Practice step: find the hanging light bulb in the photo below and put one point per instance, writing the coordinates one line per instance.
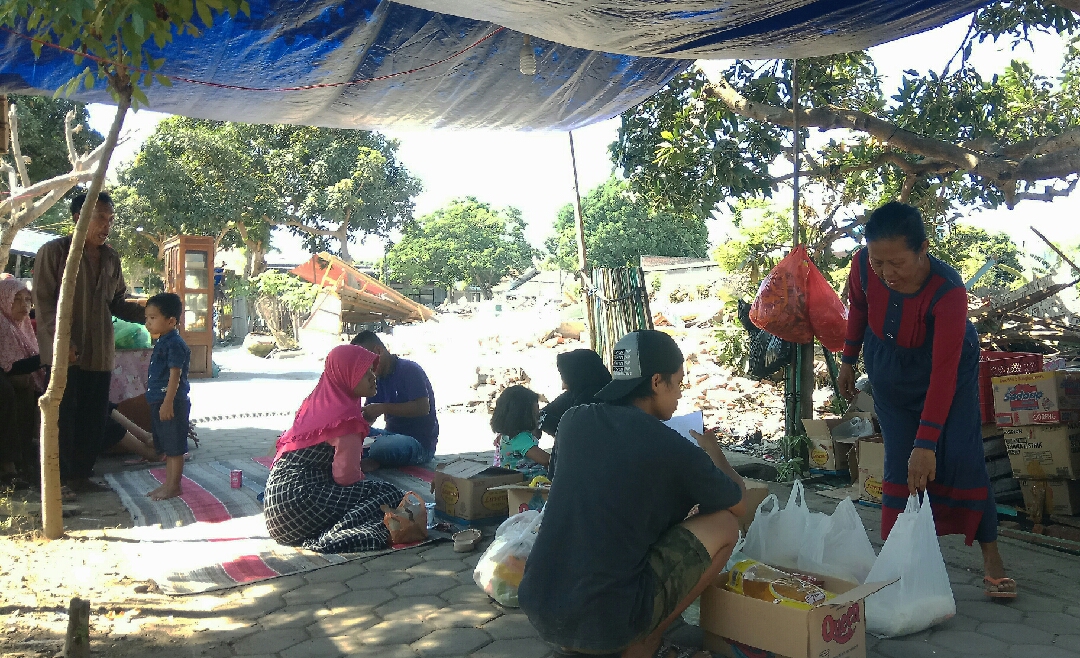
(527, 59)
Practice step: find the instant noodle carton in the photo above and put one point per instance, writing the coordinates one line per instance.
(829, 453)
(463, 491)
(834, 629)
(1039, 398)
(870, 469)
(1041, 453)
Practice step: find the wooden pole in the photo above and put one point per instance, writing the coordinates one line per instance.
(583, 262)
(5, 128)
(77, 641)
(1056, 250)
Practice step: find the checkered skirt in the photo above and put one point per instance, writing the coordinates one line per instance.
(305, 507)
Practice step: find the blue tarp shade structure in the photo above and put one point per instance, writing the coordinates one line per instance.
(712, 29)
(288, 43)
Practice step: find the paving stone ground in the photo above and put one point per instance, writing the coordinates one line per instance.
(423, 602)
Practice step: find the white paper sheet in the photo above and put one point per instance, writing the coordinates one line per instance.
(683, 424)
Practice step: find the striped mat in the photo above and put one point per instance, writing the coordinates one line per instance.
(213, 536)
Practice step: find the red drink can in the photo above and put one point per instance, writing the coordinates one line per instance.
(236, 478)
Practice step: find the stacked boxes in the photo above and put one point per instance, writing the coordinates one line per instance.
(1038, 416)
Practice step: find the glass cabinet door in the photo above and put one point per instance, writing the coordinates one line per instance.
(196, 270)
(196, 311)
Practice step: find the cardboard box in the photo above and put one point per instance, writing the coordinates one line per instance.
(1044, 452)
(1039, 398)
(756, 491)
(520, 497)
(835, 629)
(1060, 497)
(870, 458)
(828, 453)
(463, 492)
(863, 402)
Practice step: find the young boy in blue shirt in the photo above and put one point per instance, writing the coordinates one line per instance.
(167, 389)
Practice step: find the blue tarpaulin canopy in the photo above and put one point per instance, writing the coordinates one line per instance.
(595, 58)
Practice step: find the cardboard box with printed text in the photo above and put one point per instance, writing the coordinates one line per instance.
(1061, 497)
(1039, 398)
(463, 491)
(835, 629)
(1044, 452)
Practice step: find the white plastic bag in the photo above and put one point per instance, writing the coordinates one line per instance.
(502, 565)
(838, 547)
(775, 536)
(923, 597)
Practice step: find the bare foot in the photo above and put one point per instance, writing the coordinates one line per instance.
(369, 465)
(164, 493)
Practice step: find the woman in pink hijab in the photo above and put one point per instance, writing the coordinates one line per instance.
(22, 380)
(316, 495)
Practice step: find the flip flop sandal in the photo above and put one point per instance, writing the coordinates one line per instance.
(466, 540)
(1000, 588)
(680, 652)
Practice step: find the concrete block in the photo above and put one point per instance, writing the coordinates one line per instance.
(1022, 633)
(438, 568)
(988, 611)
(510, 627)
(424, 585)
(410, 608)
(377, 580)
(910, 649)
(451, 642)
(314, 593)
(1052, 622)
(293, 616)
(269, 642)
(969, 643)
(520, 648)
(361, 601)
(473, 615)
(394, 632)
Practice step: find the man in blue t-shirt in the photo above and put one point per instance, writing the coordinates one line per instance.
(405, 398)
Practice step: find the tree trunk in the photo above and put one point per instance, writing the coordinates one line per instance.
(52, 519)
(7, 238)
(342, 234)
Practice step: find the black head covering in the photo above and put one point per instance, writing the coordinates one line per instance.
(584, 373)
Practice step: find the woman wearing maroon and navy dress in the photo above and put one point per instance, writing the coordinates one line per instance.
(908, 316)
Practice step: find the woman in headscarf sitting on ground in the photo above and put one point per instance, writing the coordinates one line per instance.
(316, 495)
(583, 374)
(22, 381)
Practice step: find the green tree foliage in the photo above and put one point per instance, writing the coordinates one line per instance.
(620, 227)
(945, 141)
(467, 241)
(338, 183)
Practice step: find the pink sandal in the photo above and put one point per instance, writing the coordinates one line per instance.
(1000, 588)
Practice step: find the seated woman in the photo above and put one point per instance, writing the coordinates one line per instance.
(515, 420)
(316, 495)
(583, 374)
(22, 381)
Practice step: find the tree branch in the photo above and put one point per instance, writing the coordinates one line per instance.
(1071, 5)
(1060, 153)
(1049, 193)
(16, 147)
(304, 227)
(44, 187)
(69, 138)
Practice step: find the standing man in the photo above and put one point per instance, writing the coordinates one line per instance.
(405, 398)
(100, 293)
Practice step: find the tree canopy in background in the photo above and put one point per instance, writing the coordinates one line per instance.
(466, 242)
(947, 141)
(620, 228)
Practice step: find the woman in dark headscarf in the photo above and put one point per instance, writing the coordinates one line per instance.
(583, 374)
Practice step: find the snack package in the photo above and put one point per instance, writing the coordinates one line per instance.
(760, 581)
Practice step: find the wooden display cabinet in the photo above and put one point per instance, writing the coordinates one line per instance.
(189, 273)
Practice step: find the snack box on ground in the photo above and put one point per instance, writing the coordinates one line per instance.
(522, 497)
(1039, 398)
(834, 629)
(464, 495)
(1061, 497)
(1044, 452)
(827, 453)
(866, 466)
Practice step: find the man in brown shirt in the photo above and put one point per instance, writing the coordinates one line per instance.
(100, 293)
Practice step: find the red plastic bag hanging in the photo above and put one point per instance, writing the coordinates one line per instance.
(780, 307)
(795, 303)
(828, 317)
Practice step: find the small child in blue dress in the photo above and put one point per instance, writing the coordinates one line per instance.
(516, 420)
(167, 390)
